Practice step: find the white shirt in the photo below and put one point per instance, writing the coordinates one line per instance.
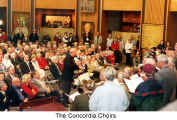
(128, 47)
(109, 97)
(109, 42)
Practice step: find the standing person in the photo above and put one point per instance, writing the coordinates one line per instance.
(167, 78)
(58, 38)
(115, 48)
(161, 46)
(98, 40)
(121, 47)
(18, 36)
(33, 36)
(87, 39)
(71, 39)
(175, 47)
(128, 51)
(68, 72)
(66, 38)
(109, 96)
(109, 41)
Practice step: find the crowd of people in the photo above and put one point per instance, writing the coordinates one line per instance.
(27, 67)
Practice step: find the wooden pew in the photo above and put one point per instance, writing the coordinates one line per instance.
(44, 104)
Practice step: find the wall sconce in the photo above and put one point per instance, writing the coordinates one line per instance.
(1, 22)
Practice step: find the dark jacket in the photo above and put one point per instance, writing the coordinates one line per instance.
(15, 95)
(148, 97)
(4, 102)
(85, 38)
(69, 67)
(33, 37)
(17, 37)
(55, 70)
(25, 69)
(8, 80)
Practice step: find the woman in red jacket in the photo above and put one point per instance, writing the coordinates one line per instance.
(115, 48)
(42, 61)
(29, 89)
(111, 57)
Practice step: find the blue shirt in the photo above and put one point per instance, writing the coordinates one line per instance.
(109, 97)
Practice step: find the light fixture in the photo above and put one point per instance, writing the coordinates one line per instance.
(1, 22)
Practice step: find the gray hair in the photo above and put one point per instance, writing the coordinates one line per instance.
(109, 73)
(162, 58)
(149, 61)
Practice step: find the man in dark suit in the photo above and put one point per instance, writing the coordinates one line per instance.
(16, 94)
(26, 66)
(4, 101)
(71, 39)
(87, 38)
(54, 68)
(33, 37)
(68, 71)
(18, 36)
(10, 76)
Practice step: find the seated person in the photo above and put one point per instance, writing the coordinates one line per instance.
(111, 58)
(29, 89)
(54, 68)
(149, 94)
(4, 102)
(41, 61)
(16, 95)
(81, 102)
(40, 84)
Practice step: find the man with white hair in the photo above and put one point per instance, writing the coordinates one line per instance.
(68, 72)
(54, 68)
(109, 96)
(167, 78)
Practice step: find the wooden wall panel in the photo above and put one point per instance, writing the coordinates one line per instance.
(56, 4)
(152, 35)
(173, 6)
(3, 3)
(21, 5)
(123, 5)
(154, 11)
(172, 28)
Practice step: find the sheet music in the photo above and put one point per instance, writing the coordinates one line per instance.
(84, 76)
(72, 96)
(133, 83)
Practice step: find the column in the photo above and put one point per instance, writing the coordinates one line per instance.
(9, 17)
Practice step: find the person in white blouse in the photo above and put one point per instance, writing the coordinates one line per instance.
(109, 41)
(6, 62)
(128, 51)
(98, 40)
